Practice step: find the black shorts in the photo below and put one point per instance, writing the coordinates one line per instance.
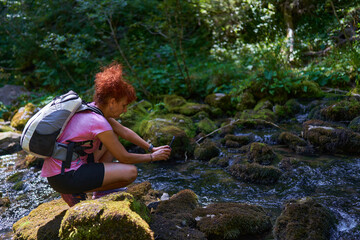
(88, 177)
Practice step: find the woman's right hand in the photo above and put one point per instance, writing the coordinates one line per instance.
(161, 154)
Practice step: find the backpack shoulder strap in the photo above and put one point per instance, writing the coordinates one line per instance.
(85, 106)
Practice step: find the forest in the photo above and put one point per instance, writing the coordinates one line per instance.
(191, 48)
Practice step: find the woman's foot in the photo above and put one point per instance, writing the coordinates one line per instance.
(72, 199)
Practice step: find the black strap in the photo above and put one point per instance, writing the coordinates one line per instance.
(69, 153)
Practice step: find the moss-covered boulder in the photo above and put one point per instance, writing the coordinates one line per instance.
(206, 151)
(345, 110)
(288, 110)
(246, 101)
(144, 192)
(261, 153)
(296, 143)
(331, 138)
(42, 222)
(255, 173)
(219, 100)
(206, 125)
(190, 109)
(263, 104)
(303, 219)
(354, 125)
(135, 113)
(173, 102)
(263, 114)
(173, 218)
(22, 116)
(232, 221)
(233, 141)
(160, 131)
(116, 216)
(306, 89)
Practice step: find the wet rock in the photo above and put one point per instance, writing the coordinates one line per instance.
(296, 143)
(9, 142)
(288, 163)
(206, 151)
(144, 192)
(232, 221)
(206, 125)
(246, 101)
(261, 153)
(42, 222)
(161, 130)
(10, 93)
(303, 219)
(116, 216)
(22, 116)
(217, 161)
(173, 218)
(331, 138)
(233, 141)
(345, 110)
(255, 173)
(219, 100)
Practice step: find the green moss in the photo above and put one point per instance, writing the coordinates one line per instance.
(307, 89)
(184, 201)
(206, 125)
(232, 221)
(263, 114)
(345, 110)
(255, 173)
(263, 104)
(206, 151)
(246, 101)
(261, 153)
(22, 116)
(16, 177)
(173, 102)
(190, 109)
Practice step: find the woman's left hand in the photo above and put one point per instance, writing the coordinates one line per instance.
(160, 147)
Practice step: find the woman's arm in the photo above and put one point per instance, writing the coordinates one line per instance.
(111, 142)
(128, 134)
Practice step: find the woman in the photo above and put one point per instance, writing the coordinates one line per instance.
(112, 95)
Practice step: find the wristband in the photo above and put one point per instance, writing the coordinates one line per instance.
(150, 148)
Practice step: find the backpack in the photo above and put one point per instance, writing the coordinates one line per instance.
(41, 132)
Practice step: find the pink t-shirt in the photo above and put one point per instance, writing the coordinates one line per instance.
(81, 127)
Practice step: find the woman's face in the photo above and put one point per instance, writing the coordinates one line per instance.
(119, 107)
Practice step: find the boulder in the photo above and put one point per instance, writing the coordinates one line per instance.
(296, 143)
(173, 102)
(219, 100)
(144, 192)
(233, 141)
(116, 216)
(10, 93)
(22, 116)
(345, 110)
(206, 151)
(263, 114)
(306, 89)
(255, 173)
(232, 221)
(331, 138)
(261, 153)
(42, 222)
(246, 101)
(354, 125)
(9, 142)
(303, 219)
(263, 104)
(206, 125)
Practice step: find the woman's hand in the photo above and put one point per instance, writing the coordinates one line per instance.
(161, 153)
(159, 148)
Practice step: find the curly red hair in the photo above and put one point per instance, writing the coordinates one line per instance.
(109, 83)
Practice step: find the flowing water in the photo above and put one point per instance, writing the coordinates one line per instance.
(332, 180)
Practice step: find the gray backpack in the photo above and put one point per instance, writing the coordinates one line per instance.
(41, 132)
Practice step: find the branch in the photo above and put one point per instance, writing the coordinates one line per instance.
(323, 52)
(233, 122)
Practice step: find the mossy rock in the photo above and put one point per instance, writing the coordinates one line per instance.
(206, 125)
(219, 100)
(206, 151)
(135, 113)
(22, 116)
(246, 101)
(173, 102)
(255, 173)
(4, 202)
(304, 219)
(288, 110)
(42, 223)
(30, 161)
(144, 192)
(263, 104)
(292, 140)
(232, 221)
(354, 125)
(264, 114)
(261, 153)
(331, 138)
(190, 109)
(116, 216)
(233, 141)
(345, 110)
(217, 161)
(307, 89)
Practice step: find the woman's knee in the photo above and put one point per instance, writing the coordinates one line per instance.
(133, 172)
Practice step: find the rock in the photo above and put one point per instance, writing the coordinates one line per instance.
(190, 109)
(354, 125)
(173, 102)
(263, 104)
(345, 110)
(255, 173)
(221, 162)
(263, 114)
(30, 161)
(295, 143)
(9, 142)
(206, 151)
(219, 100)
(116, 216)
(261, 153)
(144, 192)
(288, 110)
(206, 125)
(42, 222)
(5, 126)
(246, 101)
(232, 221)
(307, 89)
(22, 116)
(331, 138)
(9, 93)
(233, 141)
(303, 219)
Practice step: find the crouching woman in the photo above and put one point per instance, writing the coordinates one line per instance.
(103, 174)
